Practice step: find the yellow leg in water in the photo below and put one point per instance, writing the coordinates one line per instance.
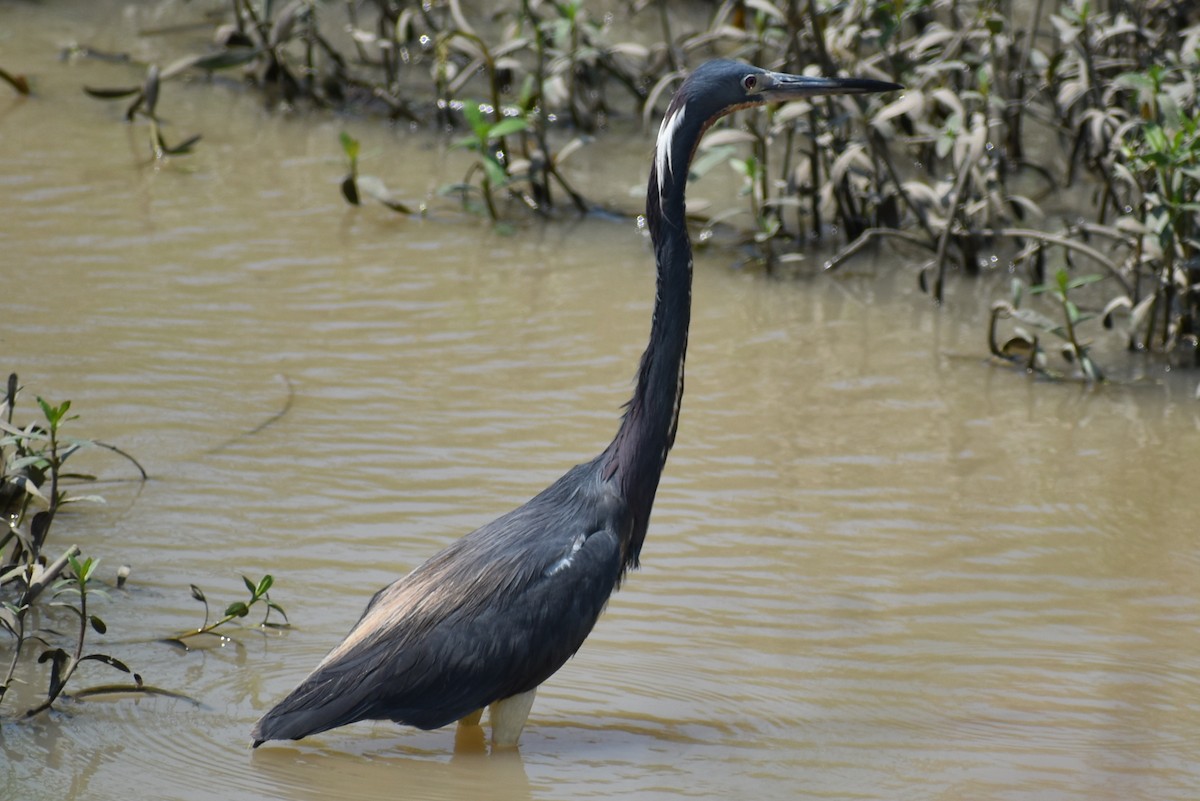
(508, 717)
(472, 719)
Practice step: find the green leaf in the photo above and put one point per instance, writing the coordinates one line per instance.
(349, 146)
(264, 585)
(98, 624)
(1062, 280)
(237, 609)
(76, 565)
(1138, 81)
(112, 661)
(53, 414)
(1084, 280)
(249, 584)
(495, 172)
(27, 461)
(475, 118)
(1155, 138)
(507, 126)
(198, 593)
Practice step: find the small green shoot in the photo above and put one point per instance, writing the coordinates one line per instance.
(258, 594)
(487, 142)
(354, 186)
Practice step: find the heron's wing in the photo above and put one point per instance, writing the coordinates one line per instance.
(493, 615)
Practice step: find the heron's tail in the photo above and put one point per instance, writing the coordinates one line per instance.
(320, 703)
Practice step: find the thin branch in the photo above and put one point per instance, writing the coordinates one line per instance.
(1112, 267)
(957, 197)
(48, 575)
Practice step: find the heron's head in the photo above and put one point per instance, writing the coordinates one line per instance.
(719, 87)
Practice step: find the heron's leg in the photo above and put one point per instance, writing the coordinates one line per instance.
(508, 717)
(472, 719)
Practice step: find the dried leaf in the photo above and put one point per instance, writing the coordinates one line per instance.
(111, 94)
(150, 90)
(912, 102)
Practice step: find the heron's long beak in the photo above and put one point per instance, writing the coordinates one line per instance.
(780, 86)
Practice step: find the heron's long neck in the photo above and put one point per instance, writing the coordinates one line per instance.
(639, 451)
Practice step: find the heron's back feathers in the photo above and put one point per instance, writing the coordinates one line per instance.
(494, 614)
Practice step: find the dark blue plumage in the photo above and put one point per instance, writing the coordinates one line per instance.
(488, 619)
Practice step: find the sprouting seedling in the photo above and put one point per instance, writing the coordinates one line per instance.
(485, 141)
(354, 186)
(350, 182)
(1075, 350)
(63, 664)
(32, 458)
(238, 609)
(1024, 348)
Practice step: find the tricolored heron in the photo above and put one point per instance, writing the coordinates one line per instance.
(495, 614)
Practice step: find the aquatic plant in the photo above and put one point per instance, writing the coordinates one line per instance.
(31, 475)
(1025, 349)
(354, 185)
(259, 594)
(35, 591)
(1005, 108)
(145, 104)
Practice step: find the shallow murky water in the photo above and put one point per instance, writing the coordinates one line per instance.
(878, 567)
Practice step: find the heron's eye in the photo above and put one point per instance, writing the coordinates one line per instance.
(750, 83)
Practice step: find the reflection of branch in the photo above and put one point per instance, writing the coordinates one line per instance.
(865, 238)
(287, 407)
(120, 452)
(957, 198)
(145, 689)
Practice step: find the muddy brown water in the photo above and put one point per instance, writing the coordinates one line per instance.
(879, 567)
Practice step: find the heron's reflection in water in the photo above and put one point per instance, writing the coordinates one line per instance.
(473, 771)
